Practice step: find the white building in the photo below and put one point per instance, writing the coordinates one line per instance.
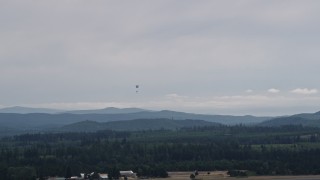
(128, 173)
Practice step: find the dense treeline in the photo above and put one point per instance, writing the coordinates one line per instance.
(262, 150)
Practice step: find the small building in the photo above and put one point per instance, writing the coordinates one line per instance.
(76, 178)
(103, 176)
(128, 174)
(55, 178)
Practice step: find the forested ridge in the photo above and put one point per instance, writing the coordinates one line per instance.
(261, 150)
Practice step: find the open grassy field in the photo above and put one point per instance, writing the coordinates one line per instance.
(222, 175)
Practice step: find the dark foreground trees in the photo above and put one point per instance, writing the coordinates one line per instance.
(283, 150)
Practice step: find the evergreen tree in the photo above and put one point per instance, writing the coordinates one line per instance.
(68, 173)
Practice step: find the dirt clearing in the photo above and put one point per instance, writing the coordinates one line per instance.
(222, 175)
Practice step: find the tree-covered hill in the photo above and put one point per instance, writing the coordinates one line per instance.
(305, 119)
(42, 122)
(134, 125)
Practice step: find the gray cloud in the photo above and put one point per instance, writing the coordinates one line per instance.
(96, 51)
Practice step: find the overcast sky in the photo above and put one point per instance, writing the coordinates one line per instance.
(203, 56)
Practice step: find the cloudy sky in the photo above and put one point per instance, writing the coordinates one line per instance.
(204, 56)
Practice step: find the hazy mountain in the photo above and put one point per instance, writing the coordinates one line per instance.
(305, 119)
(134, 125)
(223, 119)
(27, 110)
(311, 116)
(24, 121)
(43, 121)
(109, 110)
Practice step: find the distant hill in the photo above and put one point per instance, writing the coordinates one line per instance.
(46, 121)
(109, 110)
(135, 125)
(311, 116)
(305, 119)
(27, 110)
(223, 119)
(42, 119)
